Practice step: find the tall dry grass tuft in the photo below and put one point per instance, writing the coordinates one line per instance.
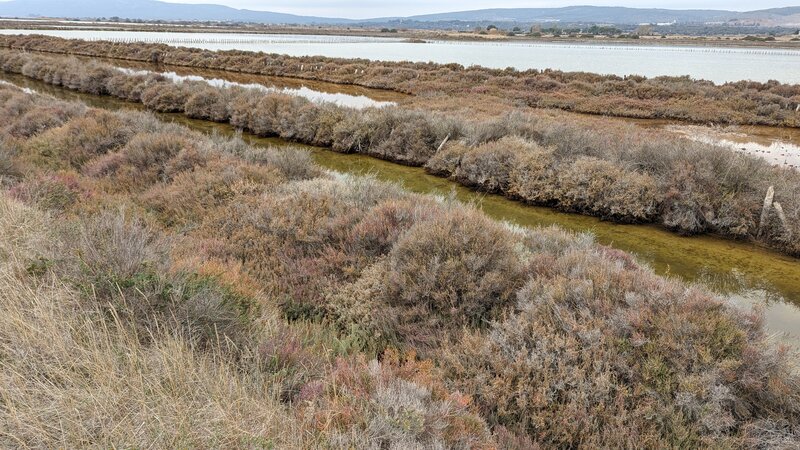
(70, 377)
(9, 170)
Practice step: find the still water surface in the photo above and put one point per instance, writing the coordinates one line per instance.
(710, 63)
(337, 98)
(746, 274)
(778, 146)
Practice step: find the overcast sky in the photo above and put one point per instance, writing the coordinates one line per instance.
(359, 9)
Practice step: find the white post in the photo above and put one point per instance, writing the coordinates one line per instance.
(765, 209)
(447, 138)
(782, 216)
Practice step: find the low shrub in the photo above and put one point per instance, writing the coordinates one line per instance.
(293, 163)
(454, 270)
(53, 192)
(165, 96)
(191, 194)
(85, 138)
(124, 264)
(395, 403)
(585, 345)
(143, 161)
(208, 104)
(41, 118)
(446, 161)
(602, 189)
(490, 165)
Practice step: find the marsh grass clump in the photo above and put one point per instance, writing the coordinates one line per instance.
(453, 270)
(583, 337)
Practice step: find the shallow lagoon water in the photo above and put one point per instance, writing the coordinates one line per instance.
(717, 64)
(778, 146)
(317, 96)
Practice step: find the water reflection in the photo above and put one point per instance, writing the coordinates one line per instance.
(341, 99)
(777, 147)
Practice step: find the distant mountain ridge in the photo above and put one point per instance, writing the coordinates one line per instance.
(610, 14)
(615, 15)
(150, 10)
(158, 10)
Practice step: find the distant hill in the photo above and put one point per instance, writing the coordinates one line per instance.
(586, 14)
(615, 15)
(150, 10)
(157, 10)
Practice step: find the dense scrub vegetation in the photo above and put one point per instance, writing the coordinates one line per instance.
(166, 288)
(623, 174)
(682, 98)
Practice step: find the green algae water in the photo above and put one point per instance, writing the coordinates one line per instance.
(745, 273)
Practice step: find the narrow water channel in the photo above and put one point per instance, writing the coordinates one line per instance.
(319, 91)
(747, 274)
(778, 146)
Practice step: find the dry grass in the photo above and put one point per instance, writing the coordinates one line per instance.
(70, 377)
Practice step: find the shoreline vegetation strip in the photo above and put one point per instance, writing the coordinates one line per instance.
(622, 174)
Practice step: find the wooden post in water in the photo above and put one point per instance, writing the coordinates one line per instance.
(765, 209)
